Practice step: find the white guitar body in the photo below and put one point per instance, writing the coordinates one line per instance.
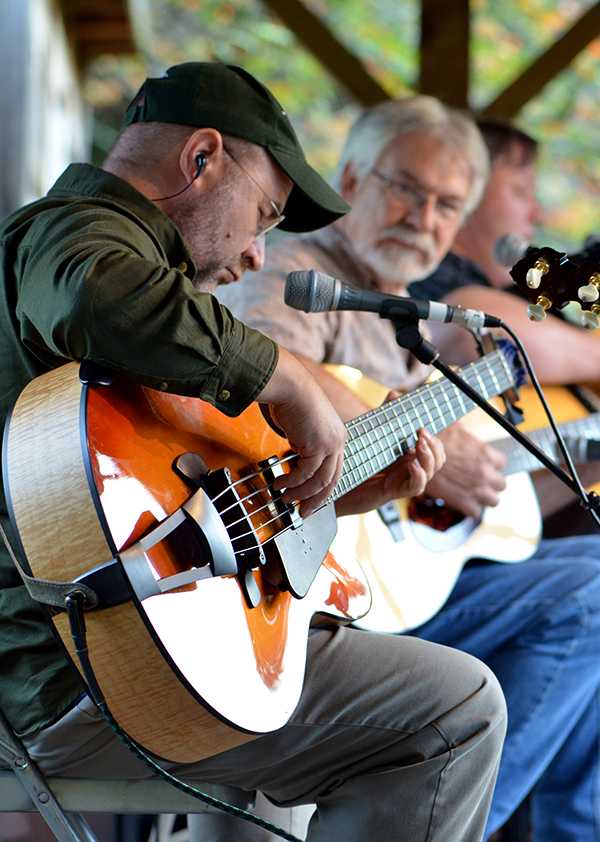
(412, 567)
(412, 577)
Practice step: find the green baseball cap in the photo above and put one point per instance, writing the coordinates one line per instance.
(229, 99)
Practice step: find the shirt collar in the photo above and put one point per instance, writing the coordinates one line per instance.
(87, 180)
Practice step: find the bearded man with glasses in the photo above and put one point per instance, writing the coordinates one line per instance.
(413, 170)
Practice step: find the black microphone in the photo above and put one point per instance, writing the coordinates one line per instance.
(509, 249)
(581, 449)
(315, 292)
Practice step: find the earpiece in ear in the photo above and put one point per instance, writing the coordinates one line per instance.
(200, 164)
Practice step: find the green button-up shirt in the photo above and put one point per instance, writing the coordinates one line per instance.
(95, 271)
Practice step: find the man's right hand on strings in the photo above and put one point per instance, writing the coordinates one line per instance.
(314, 429)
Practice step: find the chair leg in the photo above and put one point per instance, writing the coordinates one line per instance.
(67, 827)
(85, 832)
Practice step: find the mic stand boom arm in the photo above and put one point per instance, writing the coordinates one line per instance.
(409, 337)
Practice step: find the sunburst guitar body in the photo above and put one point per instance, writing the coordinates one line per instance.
(190, 663)
(202, 582)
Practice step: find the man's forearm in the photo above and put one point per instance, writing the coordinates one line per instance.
(345, 401)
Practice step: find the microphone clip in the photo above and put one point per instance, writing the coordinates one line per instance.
(408, 335)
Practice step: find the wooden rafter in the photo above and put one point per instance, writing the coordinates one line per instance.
(547, 66)
(343, 65)
(444, 52)
(94, 28)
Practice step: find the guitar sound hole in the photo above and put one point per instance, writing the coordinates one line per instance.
(433, 512)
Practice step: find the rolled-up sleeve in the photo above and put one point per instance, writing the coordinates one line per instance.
(95, 291)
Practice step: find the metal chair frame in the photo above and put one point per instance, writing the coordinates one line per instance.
(61, 801)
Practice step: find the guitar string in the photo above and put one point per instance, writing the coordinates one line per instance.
(369, 461)
(275, 534)
(249, 515)
(412, 423)
(472, 368)
(266, 487)
(440, 416)
(520, 459)
(385, 409)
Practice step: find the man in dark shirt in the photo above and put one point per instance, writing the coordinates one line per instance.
(96, 271)
(562, 353)
(472, 276)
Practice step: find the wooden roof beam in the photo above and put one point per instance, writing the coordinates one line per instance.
(89, 31)
(319, 40)
(444, 50)
(547, 66)
(94, 28)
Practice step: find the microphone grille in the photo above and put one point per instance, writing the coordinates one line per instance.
(509, 249)
(309, 291)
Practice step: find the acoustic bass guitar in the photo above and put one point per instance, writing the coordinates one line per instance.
(206, 581)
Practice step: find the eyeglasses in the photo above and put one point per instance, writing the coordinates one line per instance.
(403, 190)
(277, 217)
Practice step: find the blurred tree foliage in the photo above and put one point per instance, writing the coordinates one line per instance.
(506, 36)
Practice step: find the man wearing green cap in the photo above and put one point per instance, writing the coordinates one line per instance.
(393, 738)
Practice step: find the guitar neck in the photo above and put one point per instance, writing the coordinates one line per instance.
(377, 438)
(519, 459)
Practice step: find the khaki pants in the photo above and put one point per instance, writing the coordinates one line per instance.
(394, 739)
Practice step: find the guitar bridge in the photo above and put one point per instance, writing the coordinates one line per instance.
(287, 512)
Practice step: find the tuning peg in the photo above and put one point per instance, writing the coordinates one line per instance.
(590, 319)
(537, 311)
(588, 293)
(534, 275)
(591, 291)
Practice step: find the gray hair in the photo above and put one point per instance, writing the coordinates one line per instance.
(379, 125)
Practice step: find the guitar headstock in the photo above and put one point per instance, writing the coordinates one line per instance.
(551, 278)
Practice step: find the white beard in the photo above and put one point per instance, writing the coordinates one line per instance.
(397, 267)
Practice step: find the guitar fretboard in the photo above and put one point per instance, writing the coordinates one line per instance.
(377, 438)
(519, 459)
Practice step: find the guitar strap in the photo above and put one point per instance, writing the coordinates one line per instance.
(51, 594)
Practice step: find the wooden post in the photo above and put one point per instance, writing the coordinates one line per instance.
(444, 71)
(15, 46)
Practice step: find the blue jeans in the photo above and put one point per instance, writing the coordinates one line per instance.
(537, 625)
